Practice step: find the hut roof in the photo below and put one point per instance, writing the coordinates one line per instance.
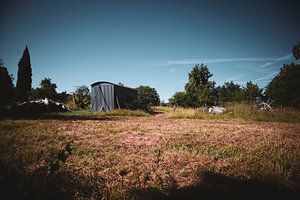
(100, 82)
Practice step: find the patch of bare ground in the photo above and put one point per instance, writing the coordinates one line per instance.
(158, 151)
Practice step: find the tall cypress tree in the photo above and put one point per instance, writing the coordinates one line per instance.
(24, 76)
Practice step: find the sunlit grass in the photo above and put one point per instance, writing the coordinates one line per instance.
(111, 158)
(278, 165)
(237, 112)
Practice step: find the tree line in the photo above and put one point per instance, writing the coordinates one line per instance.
(23, 90)
(147, 96)
(284, 88)
(199, 91)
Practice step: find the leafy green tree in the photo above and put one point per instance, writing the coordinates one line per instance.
(230, 92)
(147, 97)
(6, 86)
(83, 91)
(81, 97)
(252, 91)
(284, 88)
(180, 99)
(47, 90)
(24, 76)
(199, 88)
(216, 95)
(296, 51)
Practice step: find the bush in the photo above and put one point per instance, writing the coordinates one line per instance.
(81, 97)
(147, 97)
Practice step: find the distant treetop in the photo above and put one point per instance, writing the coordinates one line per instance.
(296, 51)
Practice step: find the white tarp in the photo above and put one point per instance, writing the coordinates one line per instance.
(216, 110)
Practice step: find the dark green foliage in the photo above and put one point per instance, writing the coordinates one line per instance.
(199, 88)
(216, 98)
(80, 101)
(230, 92)
(147, 97)
(6, 86)
(81, 97)
(47, 89)
(57, 161)
(180, 99)
(284, 89)
(199, 91)
(24, 76)
(83, 91)
(252, 91)
(296, 51)
(35, 93)
(63, 97)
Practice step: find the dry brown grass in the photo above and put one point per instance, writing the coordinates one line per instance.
(121, 155)
(237, 111)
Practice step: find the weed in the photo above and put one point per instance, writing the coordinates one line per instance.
(158, 158)
(61, 157)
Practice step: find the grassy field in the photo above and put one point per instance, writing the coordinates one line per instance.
(132, 155)
(237, 112)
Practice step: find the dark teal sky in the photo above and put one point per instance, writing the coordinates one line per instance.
(152, 43)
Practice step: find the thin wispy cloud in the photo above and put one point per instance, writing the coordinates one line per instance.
(286, 57)
(266, 64)
(267, 77)
(207, 61)
(172, 70)
(268, 61)
(275, 61)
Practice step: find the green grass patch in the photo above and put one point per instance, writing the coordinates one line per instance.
(88, 113)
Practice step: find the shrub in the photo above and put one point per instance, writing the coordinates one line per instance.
(147, 97)
(81, 97)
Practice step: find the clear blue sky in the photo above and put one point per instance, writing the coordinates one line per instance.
(153, 43)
